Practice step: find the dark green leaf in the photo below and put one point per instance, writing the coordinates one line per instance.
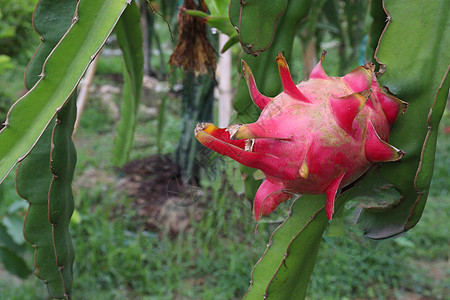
(44, 180)
(33, 182)
(38, 176)
(234, 10)
(129, 37)
(14, 263)
(60, 197)
(198, 97)
(14, 225)
(161, 124)
(256, 22)
(233, 40)
(55, 18)
(376, 27)
(7, 241)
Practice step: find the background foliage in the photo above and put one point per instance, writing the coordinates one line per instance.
(16, 47)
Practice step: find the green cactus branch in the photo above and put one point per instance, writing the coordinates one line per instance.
(416, 70)
(61, 73)
(44, 178)
(284, 269)
(256, 22)
(129, 37)
(398, 190)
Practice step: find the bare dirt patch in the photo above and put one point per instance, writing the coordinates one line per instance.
(160, 196)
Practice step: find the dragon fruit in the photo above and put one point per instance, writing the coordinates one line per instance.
(313, 138)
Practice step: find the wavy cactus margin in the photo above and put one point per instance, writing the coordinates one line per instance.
(44, 177)
(416, 69)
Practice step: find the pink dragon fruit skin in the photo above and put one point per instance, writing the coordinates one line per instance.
(313, 138)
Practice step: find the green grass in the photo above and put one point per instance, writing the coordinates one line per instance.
(137, 263)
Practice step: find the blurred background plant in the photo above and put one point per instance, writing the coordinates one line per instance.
(17, 44)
